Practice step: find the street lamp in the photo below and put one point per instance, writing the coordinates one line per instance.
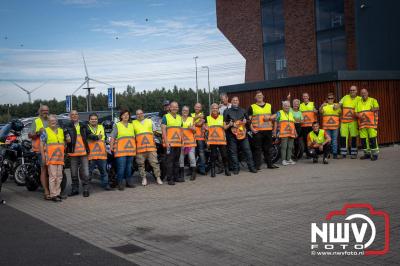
(197, 83)
(209, 92)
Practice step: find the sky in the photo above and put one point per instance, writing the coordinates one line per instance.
(144, 43)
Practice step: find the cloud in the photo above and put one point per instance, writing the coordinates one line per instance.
(156, 4)
(81, 3)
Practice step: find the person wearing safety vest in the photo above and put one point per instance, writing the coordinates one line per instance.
(216, 138)
(97, 147)
(37, 128)
(123, 144)
(145, 147)
(200, 138)
(285, 129)
(171, 126)
(78, 150)
(235, 119)
(367, 113)
(318, 142)
(261, 117)
(189, 144)
(52, 148)
(330, 112)
(309, 111)
(349, 125)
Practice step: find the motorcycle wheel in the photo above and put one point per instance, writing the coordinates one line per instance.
(20, 173)
(32, 184)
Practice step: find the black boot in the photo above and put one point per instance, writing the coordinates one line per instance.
(212, 169)
(181, 177)
(227, 172)
(365, 156)
(193, 173)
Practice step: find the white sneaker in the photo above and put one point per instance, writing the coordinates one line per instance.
(159, 181)
(144, 181)
(291, 162)
(285, 163)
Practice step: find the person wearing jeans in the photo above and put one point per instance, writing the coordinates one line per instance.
(189, 144)
(330, 112)
(198, 117)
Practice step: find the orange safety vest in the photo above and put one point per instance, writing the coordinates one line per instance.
(347, 114)
(97, 148)
(36, 141)
(54, 148)
(188, 138)
(174, 130)
(145, 142)
(125, 144)
(216, 132)
(309, 118)
(80, 149)
(200, 133)
(286, 125)
(260, 119)
(330, 122)
(368, 119)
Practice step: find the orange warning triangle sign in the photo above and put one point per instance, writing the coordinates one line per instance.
(364, 119)
(145, 141)
(56, 155)
(214, 134)
(96, 148)
(349, 114)
(331, 121)
(185, 137)
(288, 128)
(128, 145)
(306, 118)
(176, 136)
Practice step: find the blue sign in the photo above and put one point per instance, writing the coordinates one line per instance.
(110, 97)
(68, 103)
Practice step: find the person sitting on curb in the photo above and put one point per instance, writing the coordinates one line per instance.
(318, 142)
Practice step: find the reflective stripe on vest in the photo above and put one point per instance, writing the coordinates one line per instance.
(309, 117)
(260, 118)
(144, 135)
(97, 150)
(125, 144)
(200, 133)
(368, 119)
(330, 122)
(80, 149)
(286, 125)
(36, 142)
(318, 139)
(174, 130)
(54, 149)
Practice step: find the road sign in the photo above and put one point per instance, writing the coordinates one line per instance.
(111, 97)
(68, 103)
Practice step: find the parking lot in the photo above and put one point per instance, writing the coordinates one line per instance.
(249, 219)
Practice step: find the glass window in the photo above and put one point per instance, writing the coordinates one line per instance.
(273, 25)
(329, 14)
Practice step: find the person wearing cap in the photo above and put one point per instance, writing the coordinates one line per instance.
(165, 109)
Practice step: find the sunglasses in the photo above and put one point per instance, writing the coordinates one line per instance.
(331, 98)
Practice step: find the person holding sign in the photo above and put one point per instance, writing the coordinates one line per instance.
(330, 112)
(189, 144)
(145, 147)
(78, 150)
(52, 147)
(367, 113)
(123, 144)
(309, 112)
(216, 138)
(97, 146)
(171, 126)
(285, 129)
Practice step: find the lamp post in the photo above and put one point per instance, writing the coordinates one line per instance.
(209, 91)
(197, 83)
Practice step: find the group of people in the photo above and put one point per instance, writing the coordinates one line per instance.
(223, 132)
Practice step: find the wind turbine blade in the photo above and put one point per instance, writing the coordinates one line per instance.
(35, 89)
(98, 81)
(25, 90)
(79, 87)
(84, 63)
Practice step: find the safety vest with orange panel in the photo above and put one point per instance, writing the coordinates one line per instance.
(199, 129)
(38, 122)
(330, 117)
(367, 117)
(260, 118)
(216, 132)
(54, 148)
(348, 108)
(189, 139)
(174, 130)
(80, 149)
(287, 127)
(97, 148)
(144, 135)
(309, 117)
(125, 143)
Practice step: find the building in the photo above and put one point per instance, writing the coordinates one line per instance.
(317, 46)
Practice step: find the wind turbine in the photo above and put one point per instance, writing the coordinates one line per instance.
(88, 88)
(29, 92)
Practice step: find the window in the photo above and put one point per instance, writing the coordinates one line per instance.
(273, 26)
(331, 40)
